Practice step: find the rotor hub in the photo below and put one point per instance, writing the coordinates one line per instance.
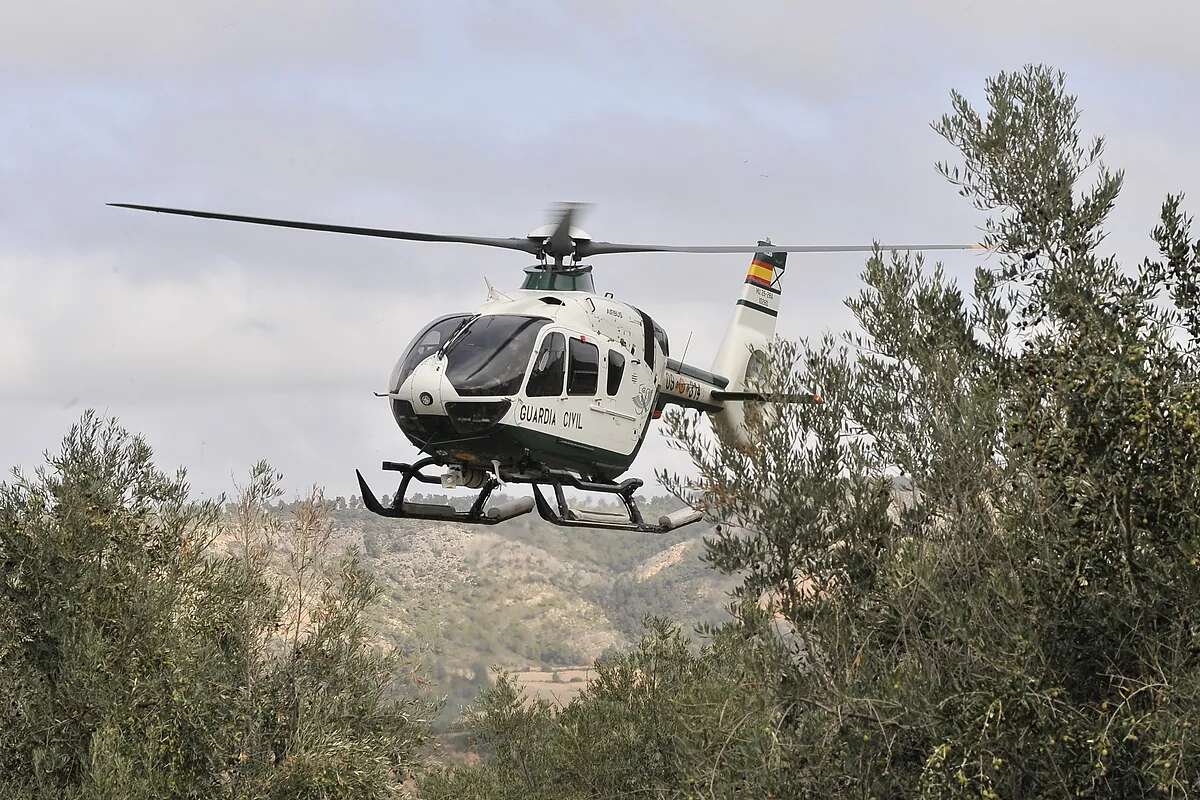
(542, 233)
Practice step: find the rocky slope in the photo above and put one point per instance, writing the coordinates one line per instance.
(522, 595)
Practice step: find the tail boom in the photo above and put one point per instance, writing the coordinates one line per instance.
(691, 387)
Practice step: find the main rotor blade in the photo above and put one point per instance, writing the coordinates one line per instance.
(586, 249)
(525, 245)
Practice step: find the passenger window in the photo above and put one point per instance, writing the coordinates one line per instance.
(546, 380)
(616, 371)
(585, 368)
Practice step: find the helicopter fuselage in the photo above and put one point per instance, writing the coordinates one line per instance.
(533, 380)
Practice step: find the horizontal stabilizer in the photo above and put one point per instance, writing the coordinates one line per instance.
(767, 397)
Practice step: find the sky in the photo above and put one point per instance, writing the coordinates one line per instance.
(679, 122)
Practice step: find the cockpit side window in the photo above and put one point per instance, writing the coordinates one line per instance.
(585, 368)
(616, 371)
(649, 336)
(549, 368)
(491, 355)
(424, 345)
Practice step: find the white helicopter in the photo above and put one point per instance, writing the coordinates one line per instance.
(555, 386)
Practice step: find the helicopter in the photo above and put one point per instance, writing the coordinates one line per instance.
(554, 385)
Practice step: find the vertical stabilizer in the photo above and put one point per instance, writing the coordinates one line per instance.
(743, 350)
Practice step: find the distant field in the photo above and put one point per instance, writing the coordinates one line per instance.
(542, 685)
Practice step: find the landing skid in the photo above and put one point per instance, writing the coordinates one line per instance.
(560, 513)
(434, 511)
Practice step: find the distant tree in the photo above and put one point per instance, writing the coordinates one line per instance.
(480, 675)
(608, 654)
(138, 661)
(371, 544)
(660, 721)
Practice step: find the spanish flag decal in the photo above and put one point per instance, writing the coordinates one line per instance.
(763, 267)
(761, 272)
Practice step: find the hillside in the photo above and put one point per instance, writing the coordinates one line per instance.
(524, 594)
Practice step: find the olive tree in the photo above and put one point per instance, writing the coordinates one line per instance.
(987, 537)
(977, 564)
(139, 660)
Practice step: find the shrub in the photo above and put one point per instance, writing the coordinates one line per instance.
(138, 661)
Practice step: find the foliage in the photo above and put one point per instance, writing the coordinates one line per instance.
(139, 663)
(655, 721)
(984, 546)
(674, 594)
(521, 594)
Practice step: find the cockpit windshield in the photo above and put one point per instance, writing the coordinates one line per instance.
(490, 356)
(427, 342)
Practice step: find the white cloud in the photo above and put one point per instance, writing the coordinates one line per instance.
(129, 37)
(121, 336)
